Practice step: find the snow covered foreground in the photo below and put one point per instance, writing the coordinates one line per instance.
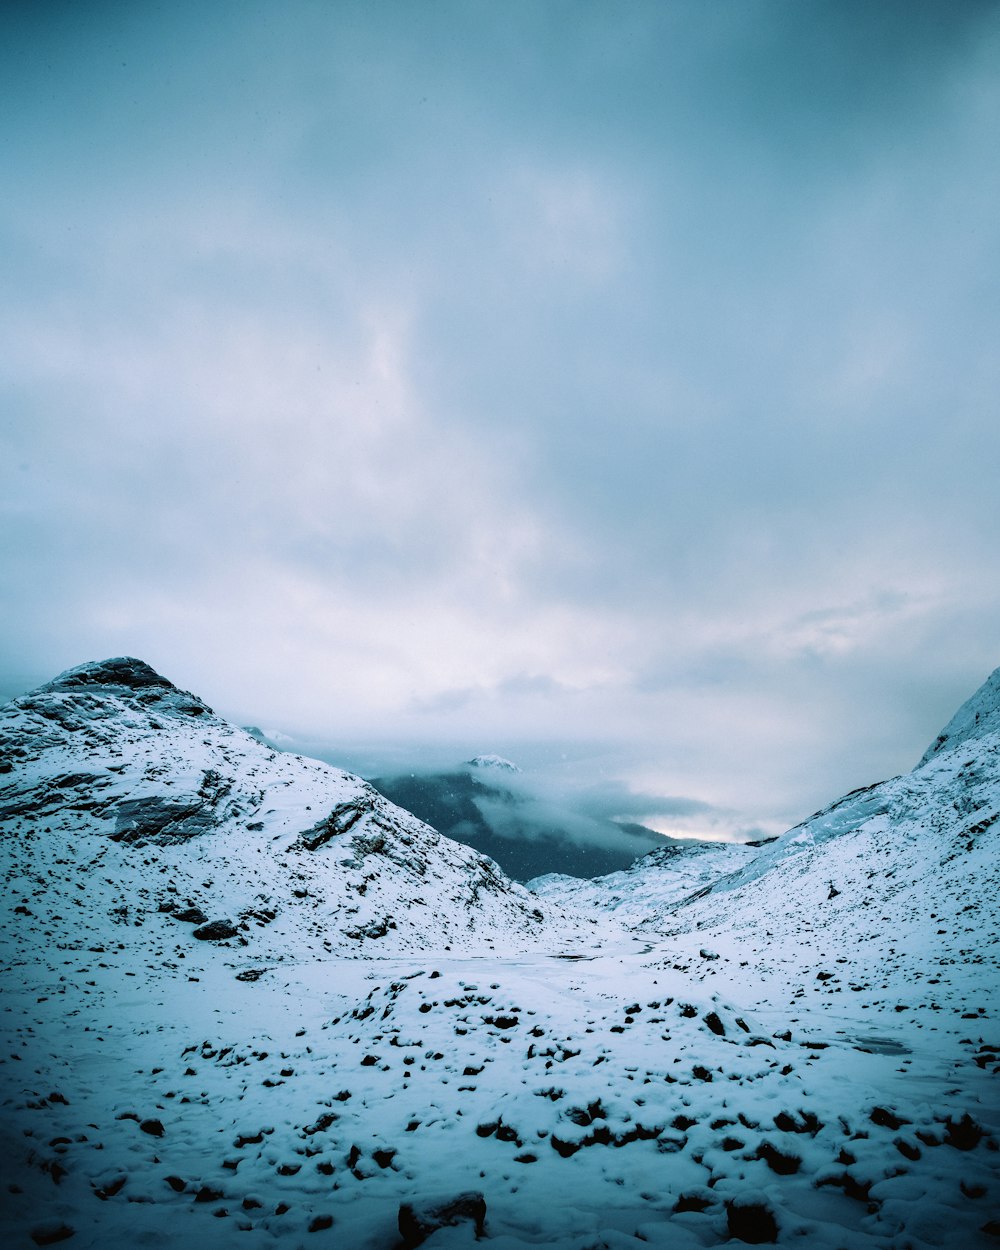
(246, 1001)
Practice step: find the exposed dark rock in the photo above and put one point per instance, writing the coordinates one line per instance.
(417, 1220)
(501, 1022)
(126, 677)
(191, 915)
(808, 1123)
(343, 817)
(693, 1202)
(854, 1188)
(108, 1190)
(153, 1127)
(884, 1117)
(216, 931)
(751, 1221)
(49, 1234)
(777, 1160)
(963, 1134)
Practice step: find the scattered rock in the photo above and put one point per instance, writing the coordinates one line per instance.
(751, 1220)
(216, 931)
(885, 1118)
(779, 1162)
(191, 915)
(963, 1134)
(110, 1188)
(49, 1234)
(417, 1220)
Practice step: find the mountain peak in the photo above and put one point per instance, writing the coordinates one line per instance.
(977, 716)
(125, 677)
(122, 670)
(493, 761)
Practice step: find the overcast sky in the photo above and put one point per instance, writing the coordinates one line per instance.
(616, 381)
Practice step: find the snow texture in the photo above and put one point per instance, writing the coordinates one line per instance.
(248, 1002)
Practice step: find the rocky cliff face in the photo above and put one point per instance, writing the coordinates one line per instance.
(165, 811)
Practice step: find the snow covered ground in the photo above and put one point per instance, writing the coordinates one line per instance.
(805, 1054)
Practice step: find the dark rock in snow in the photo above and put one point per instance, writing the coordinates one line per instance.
(963, 1134)
(751, 1220)
(191, 915)
(694, 1201)
(885, 1118)
(779, 1162)
(417, 1220)
(216, 931)
(49, 1234)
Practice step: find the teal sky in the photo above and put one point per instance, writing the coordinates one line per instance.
(615, 378)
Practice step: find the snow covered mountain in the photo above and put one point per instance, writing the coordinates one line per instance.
(494, 761)
(650, 889)
(212, 1035)
(181, 819)
(513, 819)
(892, 892)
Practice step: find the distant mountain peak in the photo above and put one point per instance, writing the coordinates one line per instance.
(978, 715)
(493, 761)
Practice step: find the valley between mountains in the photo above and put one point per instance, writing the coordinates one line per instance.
(249, 1002)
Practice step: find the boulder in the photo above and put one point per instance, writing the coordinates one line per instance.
(417, 1220)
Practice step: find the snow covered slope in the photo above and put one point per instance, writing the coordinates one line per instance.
(113, 779)
(892, 893)
(650, 889)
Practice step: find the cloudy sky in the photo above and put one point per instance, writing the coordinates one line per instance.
(607, 383)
